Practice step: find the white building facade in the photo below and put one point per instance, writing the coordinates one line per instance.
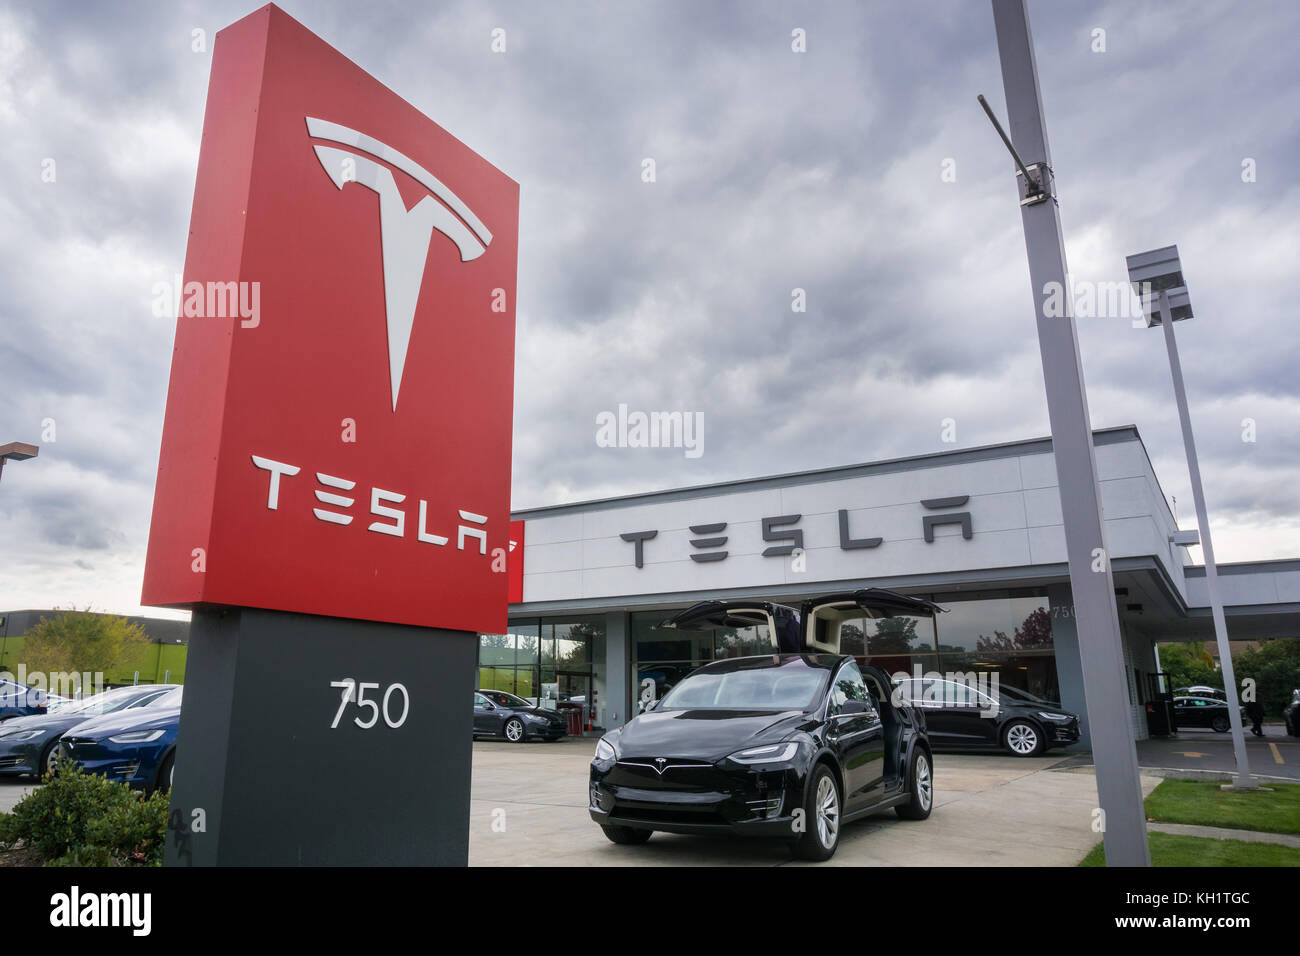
(977, 530)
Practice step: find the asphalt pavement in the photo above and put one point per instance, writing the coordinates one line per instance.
(1273, 755)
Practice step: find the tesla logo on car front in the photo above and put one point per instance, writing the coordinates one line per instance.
(405, 233)
(659, 765)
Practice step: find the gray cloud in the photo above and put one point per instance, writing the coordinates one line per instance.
(776, 171)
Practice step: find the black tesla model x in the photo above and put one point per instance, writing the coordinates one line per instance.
(790, 746)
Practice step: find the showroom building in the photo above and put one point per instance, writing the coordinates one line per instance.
(977, 530)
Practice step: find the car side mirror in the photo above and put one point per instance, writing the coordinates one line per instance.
(489, 705)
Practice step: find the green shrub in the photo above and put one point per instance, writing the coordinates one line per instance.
(80, 819)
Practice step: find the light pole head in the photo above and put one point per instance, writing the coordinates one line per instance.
(1159, 271)
(18, 451)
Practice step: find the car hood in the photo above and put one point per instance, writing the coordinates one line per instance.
(144, 718)
(704, 734)
(54, 722)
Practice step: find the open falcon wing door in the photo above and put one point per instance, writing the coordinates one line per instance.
(782, 622)
(823, 616)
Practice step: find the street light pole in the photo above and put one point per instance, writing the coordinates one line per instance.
(1105, 683)
(1243, 781)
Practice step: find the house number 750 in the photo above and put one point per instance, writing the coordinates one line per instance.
(355, 693)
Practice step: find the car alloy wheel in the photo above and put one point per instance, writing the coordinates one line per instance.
(52, 760)
(1220, 725)
(1022, 739)
(924, 785)
(816, 824)
(514, 730)
(920, 791)
(828, 812)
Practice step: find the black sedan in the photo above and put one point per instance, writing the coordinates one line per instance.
(786, 746)
(1202, 712)
(498, 714)
(960, 716)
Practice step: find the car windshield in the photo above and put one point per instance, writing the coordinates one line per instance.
(170, 699)
(766, 688)
(506, 700)
(105, 703)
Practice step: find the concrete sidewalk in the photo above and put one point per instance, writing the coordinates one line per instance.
(1226, 833)
(989, 810)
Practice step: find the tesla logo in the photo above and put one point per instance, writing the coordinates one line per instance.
(659, 765)
(396, 523)
(405, 233)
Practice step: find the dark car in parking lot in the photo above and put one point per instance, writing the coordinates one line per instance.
(1202, 712)
(29, 745)
(137, 747)
(1291, 714)
(498, 714)
(19, 700)
(786, 745)
(962, 716)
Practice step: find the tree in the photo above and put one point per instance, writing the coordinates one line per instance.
(75, 642)
(1188, 665)
(1275, 668)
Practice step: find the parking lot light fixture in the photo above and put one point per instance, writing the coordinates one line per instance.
(16, 451)
(1157, 278)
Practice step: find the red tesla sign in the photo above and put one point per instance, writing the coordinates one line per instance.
(337, 436)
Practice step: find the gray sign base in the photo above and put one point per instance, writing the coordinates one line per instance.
(273, 768)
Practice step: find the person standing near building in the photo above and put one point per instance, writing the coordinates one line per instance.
(1255, 711)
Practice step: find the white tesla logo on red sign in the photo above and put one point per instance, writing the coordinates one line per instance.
(405, 233)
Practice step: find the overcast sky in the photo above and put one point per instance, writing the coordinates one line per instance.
(775, 170)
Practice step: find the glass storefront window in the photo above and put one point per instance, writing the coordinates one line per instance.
(550, 660)
(741, 641)
(496, 649)
(1008, 635)
(1006, 624)
(527, 640)
(887, 635)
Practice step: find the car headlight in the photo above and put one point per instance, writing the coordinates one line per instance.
(14, 736)
(137, 737)
(773, 753)
(1063, 718)
(605, 750)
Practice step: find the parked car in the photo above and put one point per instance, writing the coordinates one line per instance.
(1291, 714)
(137, 747)
(962, 717)
(787, 745)
(1202, 712)
(1201, 690)
(499, 714)
(19, 700)
(29, 745)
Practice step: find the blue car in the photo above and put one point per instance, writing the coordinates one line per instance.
(17, 700)
(137, 747)
(30, 745)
